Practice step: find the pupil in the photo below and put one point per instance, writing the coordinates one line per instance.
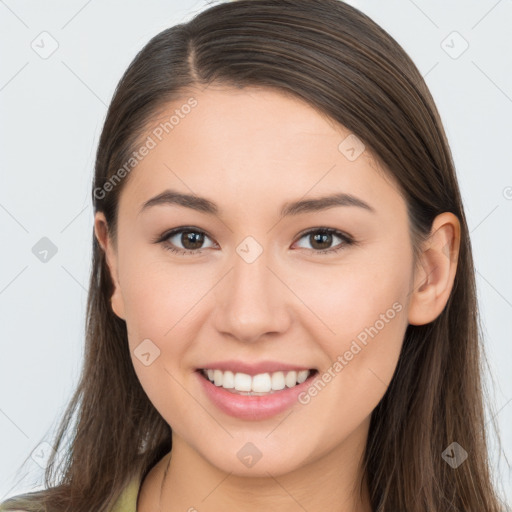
(324, 238)
(196, 239)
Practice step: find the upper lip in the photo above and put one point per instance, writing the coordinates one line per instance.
(253, 368)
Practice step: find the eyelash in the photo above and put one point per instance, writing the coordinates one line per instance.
(347, 240)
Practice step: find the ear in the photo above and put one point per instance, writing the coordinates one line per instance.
(103, 237)
(436, 269)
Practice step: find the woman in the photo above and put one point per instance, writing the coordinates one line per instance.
(282, 281)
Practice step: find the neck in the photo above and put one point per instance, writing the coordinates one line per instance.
(186, 481)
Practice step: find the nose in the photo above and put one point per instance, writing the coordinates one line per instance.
(252, 301)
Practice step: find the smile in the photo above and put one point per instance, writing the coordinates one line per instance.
(260, 384)
(243, 400)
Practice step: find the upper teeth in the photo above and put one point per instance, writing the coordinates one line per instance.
(261, 383)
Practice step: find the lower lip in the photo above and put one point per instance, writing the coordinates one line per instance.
(248, 407)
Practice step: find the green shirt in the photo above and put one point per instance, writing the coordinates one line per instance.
(126, 502)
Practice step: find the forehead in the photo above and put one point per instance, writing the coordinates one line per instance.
(245, 145)
(231, 123)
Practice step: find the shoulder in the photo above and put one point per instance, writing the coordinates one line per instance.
(126, 501)
(25, 502)
(15, 504)
(11, 505)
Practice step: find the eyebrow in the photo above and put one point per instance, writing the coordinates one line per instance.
(201, 204)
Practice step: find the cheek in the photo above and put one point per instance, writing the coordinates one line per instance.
(360, 321)
(160, 317)
(354, 294)
(159, 298)
(160, 303)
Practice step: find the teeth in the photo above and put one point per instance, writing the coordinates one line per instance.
(217, 377)
(278, 381)
(242, 382)
(290, 379)
(302, 376)
(228, 380)
(261, 383)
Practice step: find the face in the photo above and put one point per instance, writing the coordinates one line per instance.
(322, 287)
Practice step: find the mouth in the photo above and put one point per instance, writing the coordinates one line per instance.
(261, 384)
(255, 397)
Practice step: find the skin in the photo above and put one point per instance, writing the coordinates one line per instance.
(250, 151)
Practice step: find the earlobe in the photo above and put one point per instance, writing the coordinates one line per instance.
(102, 235)
(436, 269)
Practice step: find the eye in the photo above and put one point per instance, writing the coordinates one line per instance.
(322, 237)
(191, 238)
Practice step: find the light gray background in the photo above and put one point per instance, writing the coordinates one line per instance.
(52, 110)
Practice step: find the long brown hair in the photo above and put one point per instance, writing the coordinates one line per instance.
(343, 64)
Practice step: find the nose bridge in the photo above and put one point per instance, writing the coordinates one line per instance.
(252, 301)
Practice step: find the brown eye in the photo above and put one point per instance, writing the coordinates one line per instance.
(185, 240)
(192, 239)
(321, 240)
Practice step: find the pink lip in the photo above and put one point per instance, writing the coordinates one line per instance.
(253, 368)
(253, 407)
